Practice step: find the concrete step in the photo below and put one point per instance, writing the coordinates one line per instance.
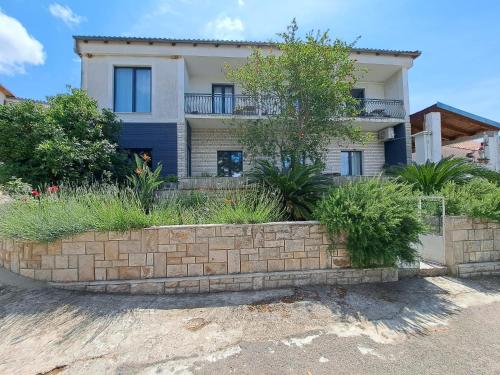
(422, 269)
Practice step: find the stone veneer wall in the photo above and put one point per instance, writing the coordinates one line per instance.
(472, 246)
(176, 252)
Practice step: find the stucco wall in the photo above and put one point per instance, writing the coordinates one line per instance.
(176, 251)
(97, 79)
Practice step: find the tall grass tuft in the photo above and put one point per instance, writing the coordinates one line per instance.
(75, 210)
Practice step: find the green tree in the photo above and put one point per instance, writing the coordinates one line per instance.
(304, 95)
(69, 140)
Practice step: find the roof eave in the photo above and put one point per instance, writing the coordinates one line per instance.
(84, 38)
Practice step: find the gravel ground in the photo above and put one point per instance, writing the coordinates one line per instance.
(428, 326)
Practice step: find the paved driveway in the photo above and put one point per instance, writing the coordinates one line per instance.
(415, 326)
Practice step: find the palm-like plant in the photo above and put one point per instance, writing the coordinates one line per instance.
(145, 182)
(299, 186)
(430, 177)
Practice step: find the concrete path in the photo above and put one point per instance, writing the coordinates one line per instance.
(415, 326)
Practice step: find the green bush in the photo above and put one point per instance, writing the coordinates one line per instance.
(478, 198)
(16, 187)
(380, 219)
(430, 177)
(70, 140)
(299, 187)
(106, 207)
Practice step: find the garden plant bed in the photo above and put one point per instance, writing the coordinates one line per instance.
(190, 258)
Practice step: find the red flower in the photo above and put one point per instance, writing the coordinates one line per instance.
(35, 193)
(53, 189)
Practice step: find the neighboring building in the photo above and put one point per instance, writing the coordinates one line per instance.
(5, 95)
(441, 130)
(174, 100)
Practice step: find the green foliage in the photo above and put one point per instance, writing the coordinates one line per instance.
(430, 177)
(69, 140)
(244, 207)
(380, 219)
(299, 186)
(145, 182)
(477, 198)
(303, 93)
(107, 207)
(16, 187)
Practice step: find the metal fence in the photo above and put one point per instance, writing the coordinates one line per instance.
(381, 108)
(244, 105)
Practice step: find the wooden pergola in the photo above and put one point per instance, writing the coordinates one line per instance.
(456, 125)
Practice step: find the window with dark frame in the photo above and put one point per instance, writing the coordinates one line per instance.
(132, 89)
(358, 93)
(351, 163)
(229, 163)
(222, 98)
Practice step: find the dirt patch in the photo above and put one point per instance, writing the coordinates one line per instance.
(272, 304)
(196, 324)
(56, 370)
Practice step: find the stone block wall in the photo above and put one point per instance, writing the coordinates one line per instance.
(176, 251)
(472, 246)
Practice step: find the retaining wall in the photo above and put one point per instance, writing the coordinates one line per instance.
(192, 258)
(472, 246)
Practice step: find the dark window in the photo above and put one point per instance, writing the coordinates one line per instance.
(222, 98)
(144, 153)
(351, 164)
(358, 93)
(132, 90)
(229, 163)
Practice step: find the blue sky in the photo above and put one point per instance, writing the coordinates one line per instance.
(459, 40)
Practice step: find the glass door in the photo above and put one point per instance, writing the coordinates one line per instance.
(222, 99)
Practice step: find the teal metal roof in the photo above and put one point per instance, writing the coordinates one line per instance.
(472, 116)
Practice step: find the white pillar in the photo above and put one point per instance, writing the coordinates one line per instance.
(492, 150)
(428, 142)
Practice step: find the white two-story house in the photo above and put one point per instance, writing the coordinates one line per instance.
(175, 102)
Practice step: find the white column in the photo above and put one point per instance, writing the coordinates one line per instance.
(428, 142)
(492, 150)
(181, 123)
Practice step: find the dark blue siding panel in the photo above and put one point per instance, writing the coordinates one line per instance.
(395, 150)
(160, 137)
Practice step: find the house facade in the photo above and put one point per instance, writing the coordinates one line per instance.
(177, 105)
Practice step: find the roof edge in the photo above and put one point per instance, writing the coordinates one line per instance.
(8, 94)
(412, 54)
(472, 116)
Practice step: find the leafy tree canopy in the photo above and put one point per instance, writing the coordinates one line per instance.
(70, 140)
(304, 94)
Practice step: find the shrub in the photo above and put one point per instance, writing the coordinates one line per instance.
(69, 140)
(430, 177)
(144, 181)
(478, 198)
(299, 187)
(380, 219)
(16, 187)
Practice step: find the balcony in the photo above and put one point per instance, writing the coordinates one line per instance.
(244, 105)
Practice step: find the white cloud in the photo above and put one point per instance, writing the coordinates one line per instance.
(241, 3)
(65, 13)
(17, 47)
(156, 21)
(224, 27)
